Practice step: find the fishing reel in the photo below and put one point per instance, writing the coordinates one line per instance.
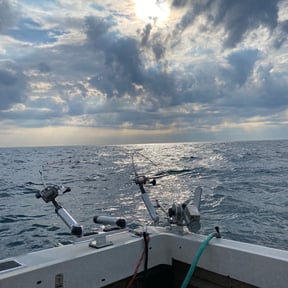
(143, 180)
(183, 214)
(187, 213)
(50, 192)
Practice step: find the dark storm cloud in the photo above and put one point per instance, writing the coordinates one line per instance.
(121, 56)
(179, 3)
(194, 9)
(268, 98)
(273, 91)
(251, 14)
(154, 42)
(241, 64)
(124, 70)
(12, 88)
(145, 34)
(13, 83)
(158, 47)
(237, 17)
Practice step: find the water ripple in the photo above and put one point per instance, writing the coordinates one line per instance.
(244, 188)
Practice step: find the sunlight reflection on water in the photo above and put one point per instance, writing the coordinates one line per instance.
(244, 188)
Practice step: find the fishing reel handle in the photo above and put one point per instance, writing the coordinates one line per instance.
(142, 180)
(50, 192)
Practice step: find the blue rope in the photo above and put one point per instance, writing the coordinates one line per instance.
(198, 255)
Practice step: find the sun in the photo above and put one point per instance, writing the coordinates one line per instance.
(148, 10)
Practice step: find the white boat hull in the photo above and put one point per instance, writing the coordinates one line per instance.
(78, 265)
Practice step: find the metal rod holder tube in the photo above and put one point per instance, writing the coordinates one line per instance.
(109, 220)
(75, 228)
(149, 205)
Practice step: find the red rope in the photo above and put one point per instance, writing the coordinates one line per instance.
(138, 264)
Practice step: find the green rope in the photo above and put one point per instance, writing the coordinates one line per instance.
(198, 255)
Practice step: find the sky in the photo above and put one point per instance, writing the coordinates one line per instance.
(142, 71)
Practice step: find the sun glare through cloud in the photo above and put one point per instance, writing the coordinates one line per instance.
(148, 10)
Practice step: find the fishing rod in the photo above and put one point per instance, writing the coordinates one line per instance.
(49, 194)
(52, 191)
(142, 180)
(183, 214)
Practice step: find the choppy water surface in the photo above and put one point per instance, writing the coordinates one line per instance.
(244, 189)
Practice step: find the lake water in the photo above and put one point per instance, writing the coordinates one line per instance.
(245, 188)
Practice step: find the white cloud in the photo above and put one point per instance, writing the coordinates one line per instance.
(89, 64)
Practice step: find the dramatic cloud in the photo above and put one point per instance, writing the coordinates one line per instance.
(124, 69)
(122, 60)
(241, 65)
(236, 17)
(206, 68)
(12, 88)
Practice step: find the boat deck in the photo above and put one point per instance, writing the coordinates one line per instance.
(173, 276)
(224, 263)
(204, 279)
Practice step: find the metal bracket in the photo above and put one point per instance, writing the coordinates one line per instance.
(100, 241)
